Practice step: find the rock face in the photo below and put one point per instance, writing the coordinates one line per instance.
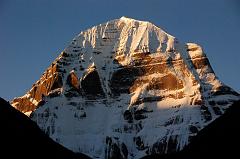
(49, 84)
(126, 89)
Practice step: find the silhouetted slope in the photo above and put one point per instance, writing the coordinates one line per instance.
(20, 137)
(219, 139)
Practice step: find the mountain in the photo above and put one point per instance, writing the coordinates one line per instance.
(219, 139)
(126, 89)
(21, 137)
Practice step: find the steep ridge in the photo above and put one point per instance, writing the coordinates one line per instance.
(20, 137)
(126, 89)
(219, 139)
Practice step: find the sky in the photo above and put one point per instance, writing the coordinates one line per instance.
(34, 32)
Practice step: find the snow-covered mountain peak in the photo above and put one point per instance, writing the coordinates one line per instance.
(126, 19)
(126, 88)
(134, 22)
(127, 35)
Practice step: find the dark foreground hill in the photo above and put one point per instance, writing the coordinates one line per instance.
(220, 139)
(20, 137)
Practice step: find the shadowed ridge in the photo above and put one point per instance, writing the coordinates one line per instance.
(21, 137)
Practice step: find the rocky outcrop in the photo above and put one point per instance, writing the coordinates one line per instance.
(115, 149)
(73, 81)
(50, 81)
(91, 84)
(73, 89)
(20, 104)
(125, 89)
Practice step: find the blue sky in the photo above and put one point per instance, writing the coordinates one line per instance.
(34, 32)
